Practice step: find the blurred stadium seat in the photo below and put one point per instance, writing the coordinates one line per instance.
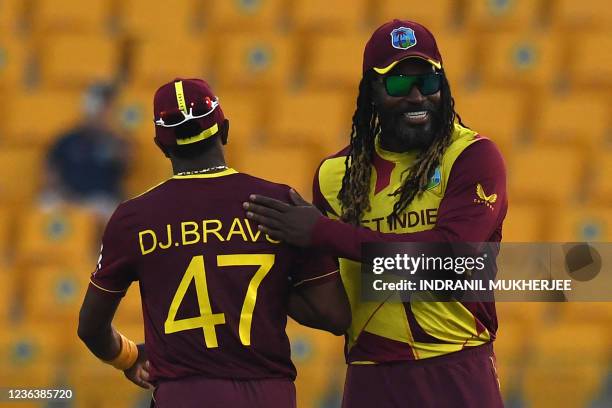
(56, 235)
(581, 223)
(550, 175)
(318, 358)
(140, 19)
(31, 355)
(591, 63)
(320, 16)
(503, 14)
(591, 14)
(524, 223)
(319, 119)
(155, 62)
(245, 113)
(435, 15)
(55, 292)
(70, 16)
(246, 61)
(11, 16)
(458, 56)
(246, 15)
(19, 188)
(600, 188)
(6, 233)
(56, 112)
(515, 58)
(134, 112)
(577, 118)
(14, 58)
(287, 165)
(148, 168)
(75, 61)
(334, 60)
(576, 356)
(484, 109)
(9, 295)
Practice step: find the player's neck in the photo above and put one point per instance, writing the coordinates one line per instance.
(209, 160)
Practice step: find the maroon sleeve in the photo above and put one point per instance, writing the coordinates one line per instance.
(314, 267)
(115, 272)
(460, 217)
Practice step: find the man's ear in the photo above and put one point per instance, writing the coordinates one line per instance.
(162, 148)
(224, 132)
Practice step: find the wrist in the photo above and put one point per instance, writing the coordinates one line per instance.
(127, 356)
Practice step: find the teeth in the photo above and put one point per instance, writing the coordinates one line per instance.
(419, 114)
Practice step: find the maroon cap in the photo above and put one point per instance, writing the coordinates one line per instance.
(398, 40)
(181, 94)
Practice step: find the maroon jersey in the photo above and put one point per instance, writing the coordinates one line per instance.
(214, 289)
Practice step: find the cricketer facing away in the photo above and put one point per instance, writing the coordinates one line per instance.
(215, 291)
(411, 173)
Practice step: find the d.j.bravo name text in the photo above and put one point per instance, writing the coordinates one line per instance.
(405, 263)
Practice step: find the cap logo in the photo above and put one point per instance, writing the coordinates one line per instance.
(403, 38)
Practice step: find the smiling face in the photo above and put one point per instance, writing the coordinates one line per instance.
(408, 122)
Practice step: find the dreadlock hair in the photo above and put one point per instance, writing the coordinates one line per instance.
(354, 193)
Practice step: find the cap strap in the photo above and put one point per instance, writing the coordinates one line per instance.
(204, 135)
(180, 96)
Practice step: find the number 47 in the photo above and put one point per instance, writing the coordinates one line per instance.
(207, 320)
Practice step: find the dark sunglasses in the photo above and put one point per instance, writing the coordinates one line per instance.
(198, 109)
(401, 85)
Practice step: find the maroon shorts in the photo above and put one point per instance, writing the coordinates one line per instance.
(198, 392)
(465, 379)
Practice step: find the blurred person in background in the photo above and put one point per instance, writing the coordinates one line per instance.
(215, 291)
(87, 164)
(412, 173)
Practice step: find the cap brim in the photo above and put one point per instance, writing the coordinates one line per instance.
(394, 63)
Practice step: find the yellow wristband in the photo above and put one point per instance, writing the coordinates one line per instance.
(128, 354)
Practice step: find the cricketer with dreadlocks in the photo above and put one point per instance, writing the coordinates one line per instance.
(412, 173)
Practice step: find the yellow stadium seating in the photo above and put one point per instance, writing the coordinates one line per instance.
(56, 235)
(591, 312)
(148, 168)
(320, 16)
(7, 300)
(458, 56)
(581, 119)
(435, 15)
(571, 14)
(318, 357)
(503, 15)
(11, 15)
(591, 63)
(568, 363)
(158, 19)
(600, 189)
(74, 16)
(14, 54)
(6, 233)
(524, 223)
(288, 165)
(56, 112)
(75, 61)
(319, 119)
(246, 61)
(520, 59)
(31, 355)
(135, 113)
(245, 113)
(334, 61)
(545, 174)
(245, 15)
(155, 62)
(20, 187)
(574, 223)
(55, 292)
(497, 113)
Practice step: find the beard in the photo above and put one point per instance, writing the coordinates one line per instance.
(404, 136)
